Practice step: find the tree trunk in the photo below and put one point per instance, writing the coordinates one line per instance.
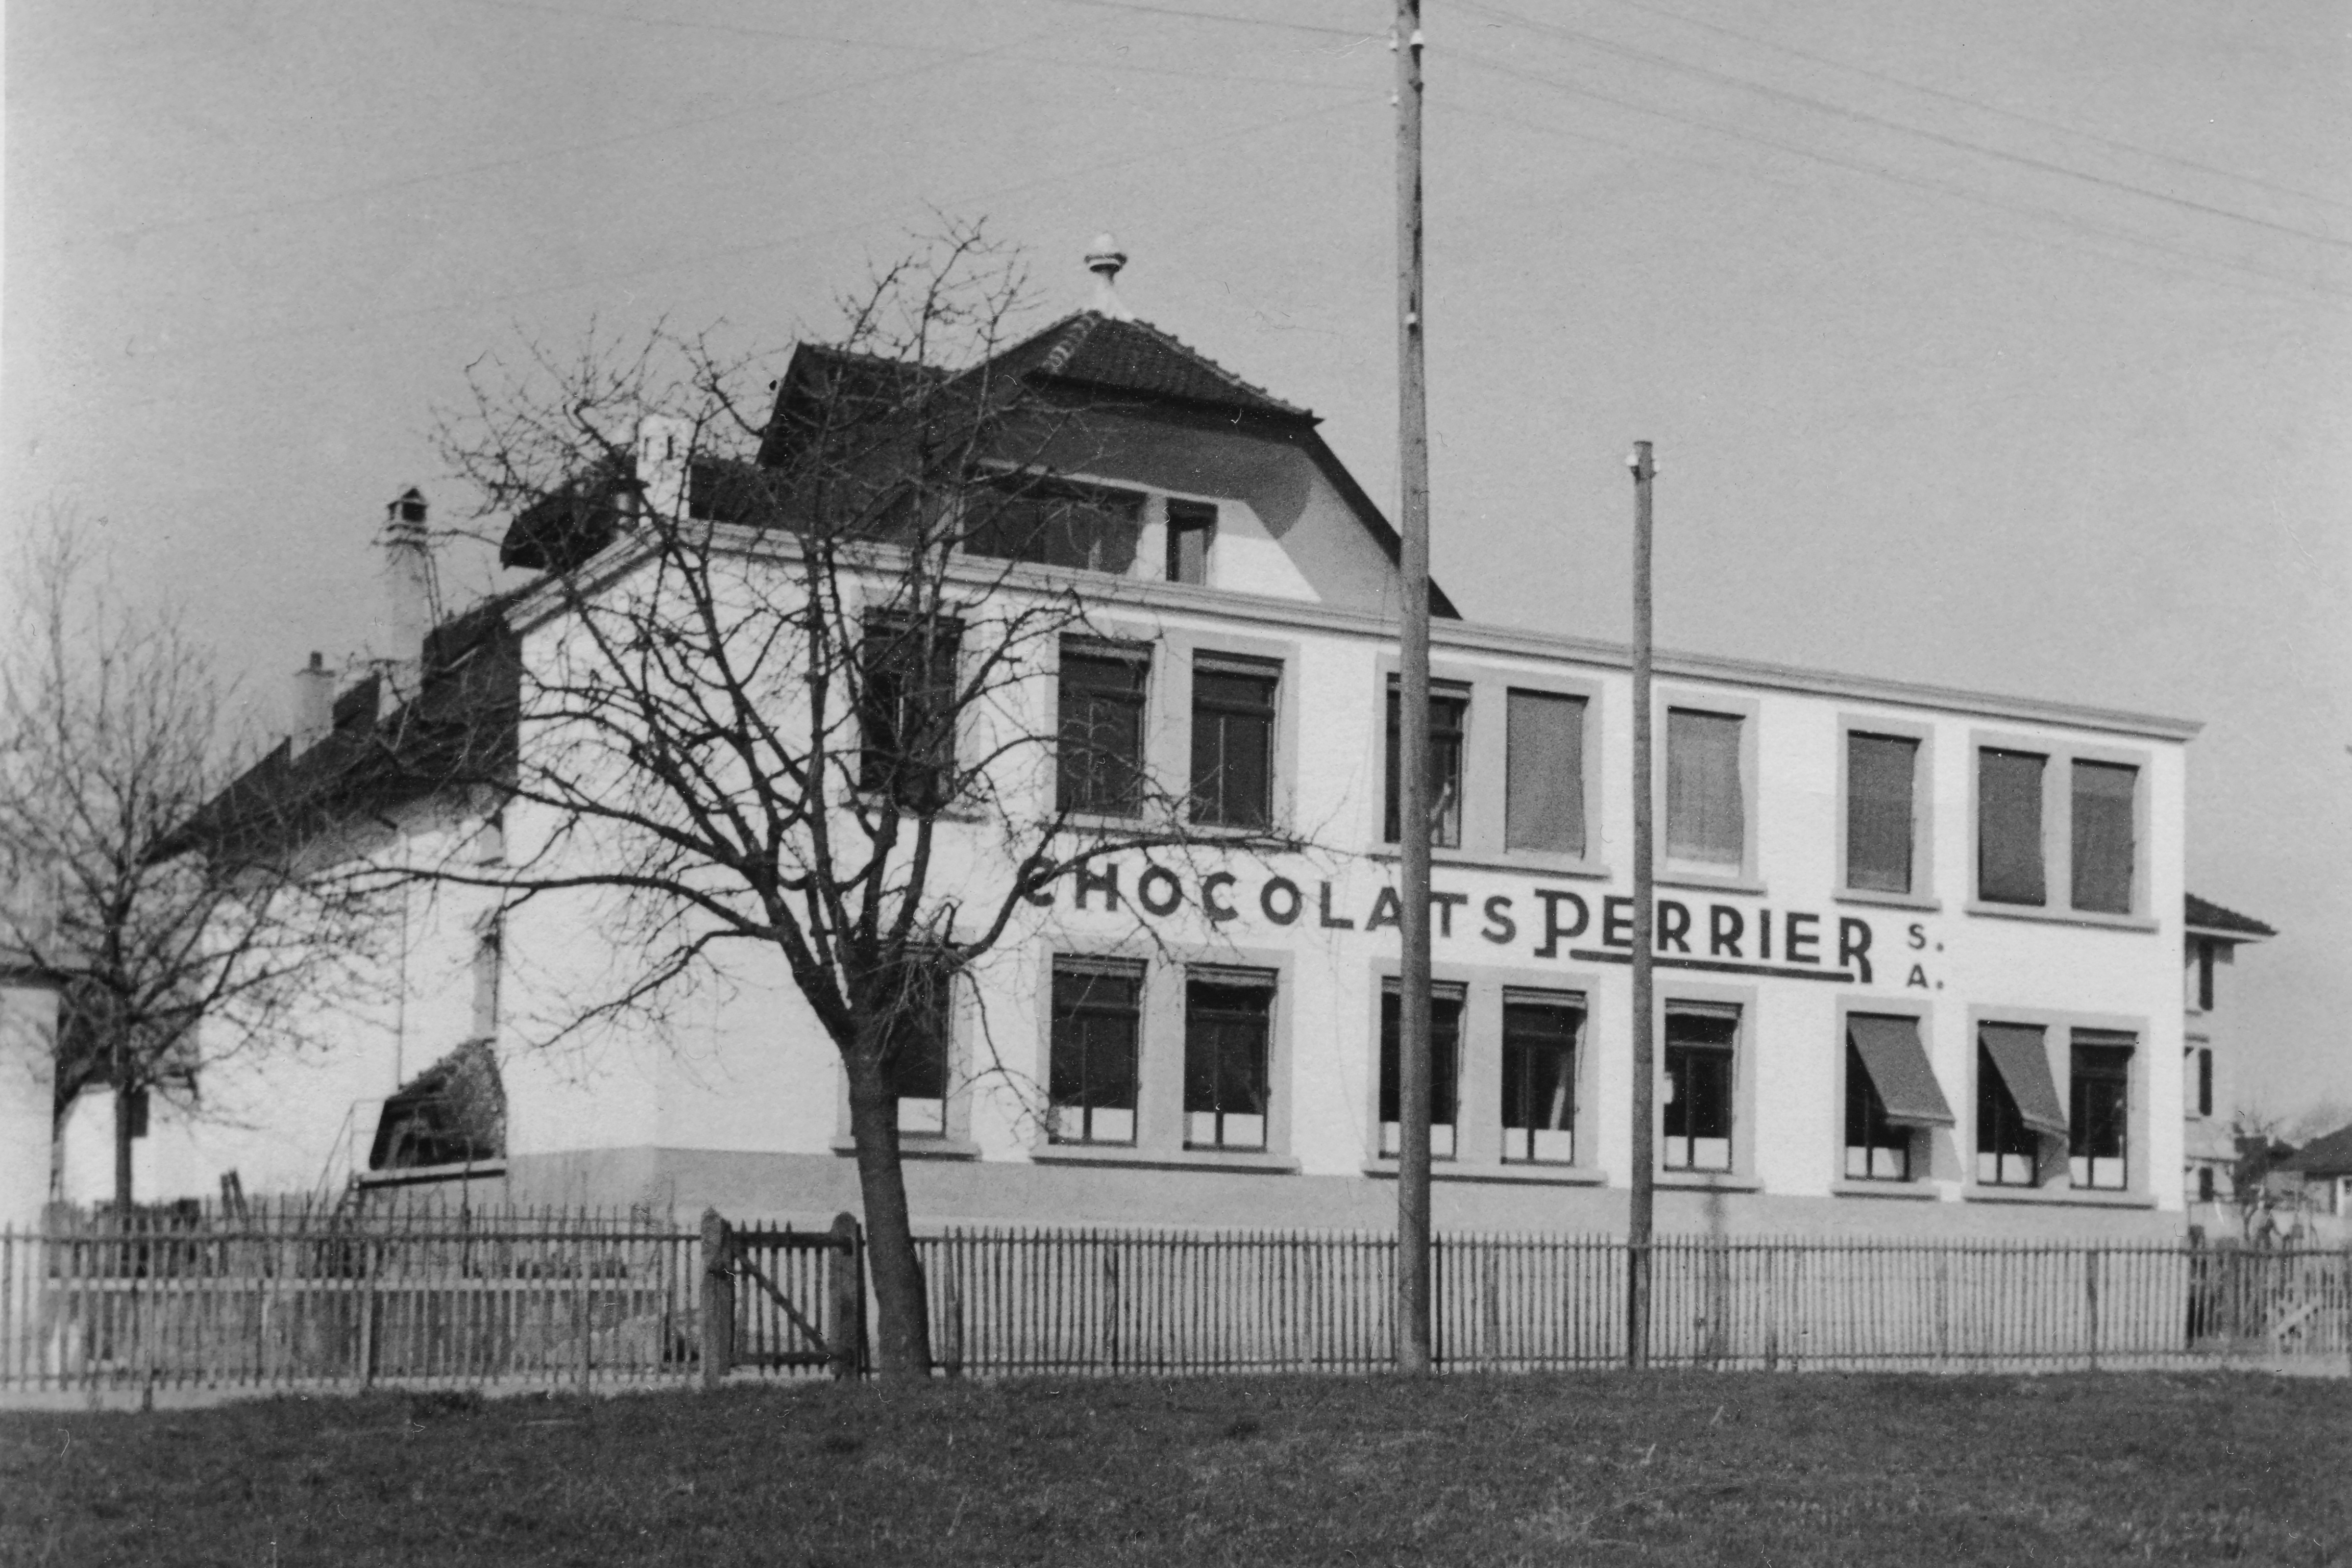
(123, 1149)
(903, 1328)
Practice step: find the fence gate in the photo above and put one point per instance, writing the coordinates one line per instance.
(782, 1297)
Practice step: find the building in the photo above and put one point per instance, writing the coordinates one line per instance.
(2210, 939)
(1916, 970)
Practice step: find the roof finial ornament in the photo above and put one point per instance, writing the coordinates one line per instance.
(1104, 259)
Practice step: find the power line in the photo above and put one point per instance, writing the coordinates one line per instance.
(1878, 172)
(2017, 114)
(1862, 117)
(1356, 34)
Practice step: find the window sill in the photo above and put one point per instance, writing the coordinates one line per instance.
(1258, 1162)
(920, 1146)
(2064, 1197)
(1525, 1174)
(1711, 882)
(1919, 901)
(1527, 862)
(1707, 1182)
(871, 800)
(1922, 1192)
(1082, 822)
(418, 1175)
(2048, 916)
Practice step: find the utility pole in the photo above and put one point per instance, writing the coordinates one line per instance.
(1645, 1071)
(1413, 1350)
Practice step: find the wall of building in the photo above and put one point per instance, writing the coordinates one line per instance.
(28, 1010)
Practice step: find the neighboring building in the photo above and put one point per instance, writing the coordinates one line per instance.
(2324, 1166)
(28, 1028)
(2211, 938)
(1916, 943)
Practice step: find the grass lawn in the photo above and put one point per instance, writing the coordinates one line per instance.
(1673, 1467)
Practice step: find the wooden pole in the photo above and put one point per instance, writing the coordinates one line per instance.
(718, 1303)
(1412, 1343)
(1643, 1200)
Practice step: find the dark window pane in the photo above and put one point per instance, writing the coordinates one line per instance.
(1053, 524)
(1092, 1075)
(1226, 1090)
(1445, 720)
(1699, 1086)
(2009, 828)
(1880, 774)
(2007, 1150)
(1705, 818)
(1099, 757)
(2098, 1111)
(1190, 526)
(2103, 835)
(1232, 747)
(1539, 1080)
(906, 708)
(918, 1064)
(2204, 1083)
(1544, 790)
(1444, 1057)
(1876, 1149)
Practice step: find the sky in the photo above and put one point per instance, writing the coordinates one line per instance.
(1999, 344)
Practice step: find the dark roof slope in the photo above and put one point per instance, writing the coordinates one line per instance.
(2328, 1156)
(2206, 915)
(1093, 350)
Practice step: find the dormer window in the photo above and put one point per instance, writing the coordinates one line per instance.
(1191, 528)
(1055, 522)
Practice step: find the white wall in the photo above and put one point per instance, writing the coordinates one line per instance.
(27, 1058)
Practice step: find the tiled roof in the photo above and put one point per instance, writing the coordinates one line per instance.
(1090, 349)
(2208, 916)
(2328, 1156)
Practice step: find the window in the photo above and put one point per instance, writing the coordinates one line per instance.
(917, 1064)
(1192, 526)
(2103, 835)
(1228, 1022)
(1540, 1077)
(1099, 748)
(2205, 1080)
(1447, 710)
(2098, 1108)
(2017, 1104)
(2204, 976)
(906, 708)
(489, 941)
(1053, 523)
(1890, 1094)
(134, 1113)
(2204, 1183)
(1707, 820)
(1444, 1068)
(1091, 1078)
(1543, 805)
(1881, 776)
(1699, 1067)
(2009, 826)
(1233, 740)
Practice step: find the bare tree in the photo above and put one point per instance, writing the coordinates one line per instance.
(789, 685)
(179, 951)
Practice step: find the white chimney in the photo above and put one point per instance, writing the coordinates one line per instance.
(1104, 259)
(310, 715)
(412, 596)
(663, 442)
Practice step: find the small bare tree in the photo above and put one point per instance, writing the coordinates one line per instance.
(789, 687)
(178, 953)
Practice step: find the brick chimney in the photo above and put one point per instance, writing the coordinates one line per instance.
(310, 710)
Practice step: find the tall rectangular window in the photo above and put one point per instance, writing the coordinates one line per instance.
(1543, 805)
(1233, 739)
(1444, 1068)
(2098, 1108)
(2103, 835)
(1098, 760)
(1700, 1069)
(920, 1046)
(1881, 776)
(1707, 817)
(1228, 1030)
(1447, 712)
(2009, 826)
(2205, 1080)
(1191, 529)
(2008, 1153)
(1091, 1078)
(1053, 523)
(1539, 1038)
(1875, 1149)
(906, 708)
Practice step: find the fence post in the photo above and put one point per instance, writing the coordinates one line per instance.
(718, 1302)
(367, 1317)
(847, 1278)
(1110, 1306)
(952, 1344)
(2091, 1298)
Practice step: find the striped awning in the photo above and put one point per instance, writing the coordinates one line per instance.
(1900, 1069)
